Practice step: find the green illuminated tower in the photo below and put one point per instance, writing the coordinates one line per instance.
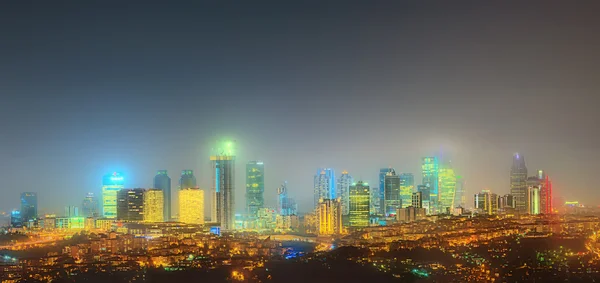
(111, 185)
(223, 184)
(255, 187)
(447, 188)
(407, 186)
(430, 169)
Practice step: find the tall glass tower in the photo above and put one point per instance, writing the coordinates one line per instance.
(459, 196)
(343, 190)
(255, 187)
(29, 206)
(187, 180)
(223, 185)
(380, 201)
(518, 183)
(90, 206)
(430, 167)
(324, 185)
(285, 205)
(447, 188)
(407, 187)
(392, 199)
(111, 185)
(162, 181)
(359, 205)
(130, 204)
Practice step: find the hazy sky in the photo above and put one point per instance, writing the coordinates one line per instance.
(91, 87)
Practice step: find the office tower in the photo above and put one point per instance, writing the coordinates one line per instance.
(546, 200)
(187, 179)
(518, 182)
(343, 190)
(285, 205)
(533, 204)
(255, 187)
(359, 205)
(425, 198)
(459, 195)
(506, 204)
(486, 202)
(381, 194)
(324, 187)
(130, 204)
(329, 217)
(154, 205)
(162, 181)
(430, 178)
(191, 206)
(29, 206)
(111, 185)
(90, 206)
(447, 188)
(71, 211)
(16, 221)
(223, 185)
(417, 199)
(375, 202)
(407, 186)
(392, 199)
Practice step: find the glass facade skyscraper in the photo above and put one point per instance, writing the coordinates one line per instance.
(29, 206)
(111, 185)
(343, 190)
(187, 179)
(324, 185)
(90, 206)
(430, 177)
(130, 204)
(162, 181)
(447, 188)
(223, 185)
(381, 195)
(459, 196)
(255, 187)
(286, 206)
(407, 187)
(392, 200)
(359, 204)
(518, 183)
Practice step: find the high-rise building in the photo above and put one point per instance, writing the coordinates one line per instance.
(518, 182)
(430, 177)
(324, 185)
(343, 190)
(407, 187)
(162, 181)
(154, 205)
(329, 217)
(459, 196)
(447, 187)
(533, 200)
(410, 214)
(187, 179)
(223, 185)
(392, 199)
(546, 199)
(359, 204)
(425, 197)
(191, 206)
(417, 199)
(111, 185)
(285, 205)
(375, 202)
(29, 206)
(255, 187)
(90, 206)
(130, 204)
(71, 211)
(506, 204)
(486, 202)
(381, 195)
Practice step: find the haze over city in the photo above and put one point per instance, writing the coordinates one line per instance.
(92, 87)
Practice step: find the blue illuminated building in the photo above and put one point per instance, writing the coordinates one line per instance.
(324, 185)
(29, 206)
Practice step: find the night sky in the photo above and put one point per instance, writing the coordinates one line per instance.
(91, 87)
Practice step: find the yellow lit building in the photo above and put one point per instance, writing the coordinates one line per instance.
(329, 217)
(191, 206)
(153, 205)
(360, 194)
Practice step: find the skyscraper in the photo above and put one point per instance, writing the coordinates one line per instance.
(424, 190)
(329, 217)
(533, 200)
(486, 202)
(392, 199)
(162, 181)
(518, 182)
(191, 206)
(459, 196)
(187, 179)
(29, 206)
(430, 170)
(358, 204)
(407, 186)
(130, 204)
(324, 185)
(343, 190)
(447, 188)
(255, 187)
(546, 194)
(71, 211)
(375, 202)
(111, 185)
(90, 206)
(154, 205)
(417, 199)
(223, 186)
(286, 205)
(381, 195)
